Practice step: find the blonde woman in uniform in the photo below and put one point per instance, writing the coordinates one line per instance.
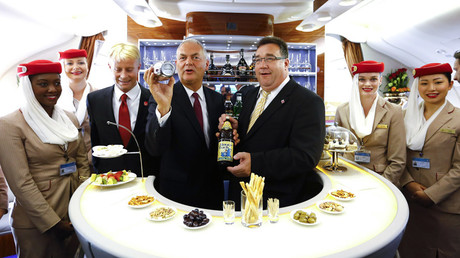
(377, 123)
(431, 180)
(73, 99)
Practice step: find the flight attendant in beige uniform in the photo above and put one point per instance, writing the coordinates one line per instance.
(75, 90)
(40, 150)
(377, 123)
(431, 180)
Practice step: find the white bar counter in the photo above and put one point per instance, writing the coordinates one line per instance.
(372, 224)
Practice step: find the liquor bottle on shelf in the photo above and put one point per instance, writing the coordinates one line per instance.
(225, 145)
(227, 69)
(251, 67)
(242, 65)
(238, 105)
(212, 69)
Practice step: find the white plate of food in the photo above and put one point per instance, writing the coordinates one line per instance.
(109, 154)
(304, 217)
(104, 179)
(330, 207)
(342, 194)
(162, 213)
(140, 200)
(200, 222)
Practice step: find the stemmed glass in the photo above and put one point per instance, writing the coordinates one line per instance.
(308, 64)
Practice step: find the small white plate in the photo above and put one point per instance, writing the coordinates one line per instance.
(203, 226)
(142, 205)
(302, 223)
(330, 212)
(162, 219)
(342, 199)
(109, 154)
(131, 176)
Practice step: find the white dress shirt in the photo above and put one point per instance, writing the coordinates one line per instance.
(272, 94)
(204, 110)
(134, 97)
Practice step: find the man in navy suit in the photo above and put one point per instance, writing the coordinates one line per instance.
(284, 143)
(182, 123)
(104, 105)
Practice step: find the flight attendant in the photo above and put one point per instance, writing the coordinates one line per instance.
(431, 180)
(40, 151)
(74, 94)
(377, 123)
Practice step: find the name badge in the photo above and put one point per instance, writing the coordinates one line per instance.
(421, 163)
(447, 130)
(68, 168)
(363, 156)
(382, 126)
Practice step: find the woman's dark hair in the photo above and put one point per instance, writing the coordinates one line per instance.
(278, 41)
(449, 76)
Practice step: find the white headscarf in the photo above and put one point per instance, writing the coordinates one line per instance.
(360, 123)
(414, 120)
(57, 129)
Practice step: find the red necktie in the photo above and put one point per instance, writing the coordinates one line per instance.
(123, 119)
(197, 108)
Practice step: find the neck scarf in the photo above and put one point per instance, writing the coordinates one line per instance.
(414, 120)
(57, 129)
(361, 124)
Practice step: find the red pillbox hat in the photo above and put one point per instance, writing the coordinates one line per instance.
(433, 68)
(72, 53)
(39, 66)
(367, 67)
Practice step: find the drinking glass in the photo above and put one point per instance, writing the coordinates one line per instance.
(228, 210)
(251, 210)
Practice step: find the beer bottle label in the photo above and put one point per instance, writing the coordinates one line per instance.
(225, 151)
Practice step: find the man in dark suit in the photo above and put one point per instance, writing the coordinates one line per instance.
(284, 143)
(104, 105)
(181, 128)
(243, 89)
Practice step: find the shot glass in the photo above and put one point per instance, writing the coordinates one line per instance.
(273, 207)
(228, 210)
(251, 211)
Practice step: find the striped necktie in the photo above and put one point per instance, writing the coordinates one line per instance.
(259, 109)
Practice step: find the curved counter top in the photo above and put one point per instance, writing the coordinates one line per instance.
(372, 223)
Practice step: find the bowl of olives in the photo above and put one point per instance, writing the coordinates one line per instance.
(196, 219)
(304, 217)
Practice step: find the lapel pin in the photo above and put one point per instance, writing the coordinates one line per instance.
(146, 103)
(282, 101)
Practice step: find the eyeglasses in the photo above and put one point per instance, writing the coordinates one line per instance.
(268, 60)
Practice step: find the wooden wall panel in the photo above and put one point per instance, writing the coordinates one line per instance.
(171, 29)
(250, 24)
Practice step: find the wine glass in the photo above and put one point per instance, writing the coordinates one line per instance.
(308, 64)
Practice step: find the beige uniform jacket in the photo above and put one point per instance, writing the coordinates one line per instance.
(442, 147)
(86, 132)
(387, 141)
(32, 171)
(3, 192)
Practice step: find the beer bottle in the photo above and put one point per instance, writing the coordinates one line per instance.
(238, 105)
(228, 106)
(225, 145)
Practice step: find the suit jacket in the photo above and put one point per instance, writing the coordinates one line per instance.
(188, 168)
(244, 90)
(386, 141)
(100, 110)
(442, 147)
(285, 142)
(32, 171)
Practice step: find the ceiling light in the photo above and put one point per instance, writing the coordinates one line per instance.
(306, 27)
(348, 2)
(140, 11)
(324, 17)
